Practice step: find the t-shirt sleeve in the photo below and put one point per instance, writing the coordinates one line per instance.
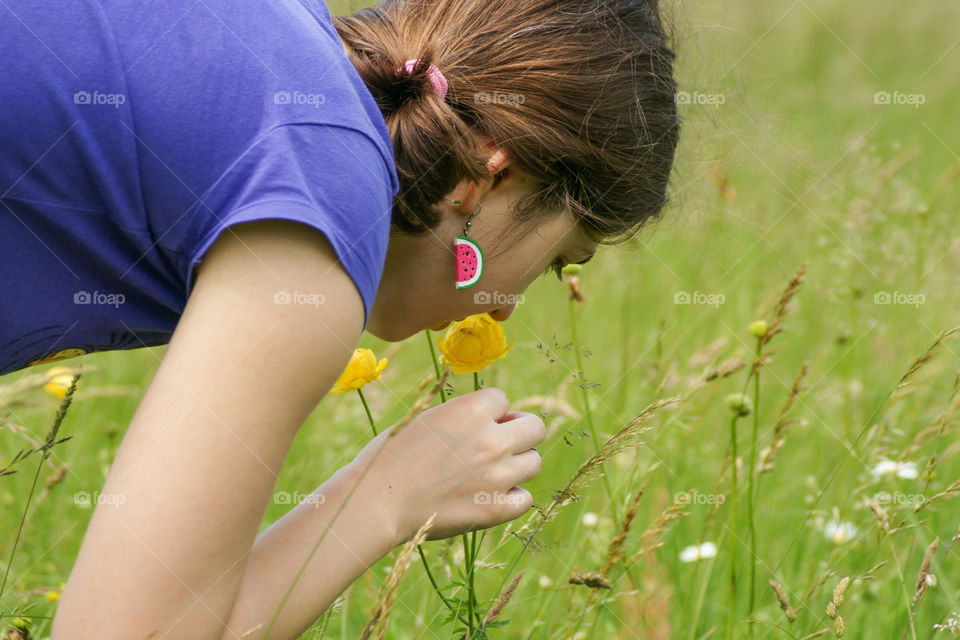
(332, 178)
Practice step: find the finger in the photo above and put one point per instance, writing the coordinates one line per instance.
(526, 465)
(493, 401)
(518, 501)
(523, 432)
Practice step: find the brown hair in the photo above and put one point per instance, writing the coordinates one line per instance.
(580, 93)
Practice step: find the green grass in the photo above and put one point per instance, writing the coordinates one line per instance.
(864, 193)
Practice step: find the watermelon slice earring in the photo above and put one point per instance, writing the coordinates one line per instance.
(469, 255)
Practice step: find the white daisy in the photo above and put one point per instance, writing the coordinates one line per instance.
(698, 552)
(894, 468)
(839, 531)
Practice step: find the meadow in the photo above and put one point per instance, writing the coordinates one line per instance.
(785, 335)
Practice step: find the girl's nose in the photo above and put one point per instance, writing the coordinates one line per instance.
(502, 313)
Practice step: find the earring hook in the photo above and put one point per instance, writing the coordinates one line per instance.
(466, 227)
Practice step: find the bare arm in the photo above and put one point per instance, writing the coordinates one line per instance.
(179, 556)
(355, 541)
(202, 453)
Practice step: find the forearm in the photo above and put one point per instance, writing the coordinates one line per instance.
(358, 537)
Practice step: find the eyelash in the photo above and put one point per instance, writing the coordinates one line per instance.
(556, 266)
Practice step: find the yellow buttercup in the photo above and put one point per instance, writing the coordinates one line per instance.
(473, 343)
(363, 368)
(60, 380)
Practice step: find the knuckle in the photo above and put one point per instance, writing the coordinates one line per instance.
(498, 476)
(492, 444)
(498, 395)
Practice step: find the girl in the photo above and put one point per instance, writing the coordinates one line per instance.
(256, 184)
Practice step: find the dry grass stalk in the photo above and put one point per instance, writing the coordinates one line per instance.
(940, 427)
(833, 607)
(725, 369)
(951, 624)
(617, 443)
(592, 579)
(574, 282)
(948, 492)
(784, 600)
(883, 519)
(502, 600)
(768, 455)
(780, 308)
(388, 593)
(710, 353)
(719, 180)
(60, 472)
(659, 527)
(923, 578)
(423, 402)
(615, 548)
(925, 357)
(9, 393)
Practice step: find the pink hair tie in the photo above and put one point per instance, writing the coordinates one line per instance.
(433, 73)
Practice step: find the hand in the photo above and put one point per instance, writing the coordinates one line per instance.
(462, 459)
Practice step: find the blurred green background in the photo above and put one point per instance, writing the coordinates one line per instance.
(787, 155)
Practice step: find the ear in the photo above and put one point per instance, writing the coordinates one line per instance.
(497, 165)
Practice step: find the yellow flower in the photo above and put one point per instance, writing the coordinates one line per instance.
(52, 595)
(473, 343)
(363, 368)
(59, 381)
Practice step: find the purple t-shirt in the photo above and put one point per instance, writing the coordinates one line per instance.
(132, 134)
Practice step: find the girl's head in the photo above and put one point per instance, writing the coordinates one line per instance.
(560, 120)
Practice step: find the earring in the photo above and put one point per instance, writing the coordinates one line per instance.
(469, 263)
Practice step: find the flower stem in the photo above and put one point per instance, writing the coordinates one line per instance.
(436, 364)
(469, 621)
(750, 475)
(366, 408)
(733, 527)
(468, 545)
(436, 587)
(470, 556)
(589, 414)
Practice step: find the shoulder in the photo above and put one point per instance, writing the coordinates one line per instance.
(272, 298)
